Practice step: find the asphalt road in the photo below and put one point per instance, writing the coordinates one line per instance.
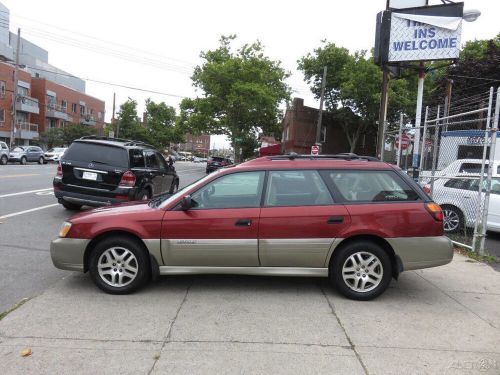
(29, 218)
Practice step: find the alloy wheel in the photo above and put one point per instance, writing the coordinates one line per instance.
(362, 271)
(451, 220)
(117, 266)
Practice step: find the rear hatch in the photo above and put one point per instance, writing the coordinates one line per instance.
(93, 165)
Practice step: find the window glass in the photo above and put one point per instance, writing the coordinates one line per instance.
(151, 160)
(136, 158)
(472, 168)
(296, 188)
(372, 186)
(161, 162)
(237, 190)
(97, 153)
(459, 183)
(495, 186)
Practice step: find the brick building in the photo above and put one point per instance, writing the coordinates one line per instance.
(196, 144)
(299, 132)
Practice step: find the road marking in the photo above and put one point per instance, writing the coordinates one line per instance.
(24, 192)
(20, 175)
(28, 211)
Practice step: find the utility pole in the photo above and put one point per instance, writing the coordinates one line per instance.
(14, 94)
(382, 117)
(418, 119)
(320, 117)
(113, 120)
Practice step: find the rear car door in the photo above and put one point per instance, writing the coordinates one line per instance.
(32, 154)
(222, 229)
(166, 174)
(299, 220)
(153, 169)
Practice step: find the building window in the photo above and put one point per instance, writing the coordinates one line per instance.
(2, 89)
(82, 110)
(91, 111)
(22, 91)
(64, 105)
(73, 107)
(2, 117)
(99, 115)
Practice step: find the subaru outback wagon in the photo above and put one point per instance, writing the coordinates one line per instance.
(355, 220)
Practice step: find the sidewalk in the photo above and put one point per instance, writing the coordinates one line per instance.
(437, 321)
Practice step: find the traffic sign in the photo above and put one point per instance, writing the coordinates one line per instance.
(405, 142)
(314, 150)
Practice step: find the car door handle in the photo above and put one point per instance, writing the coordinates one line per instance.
(466, 197)
(243, 223)
(335, 220)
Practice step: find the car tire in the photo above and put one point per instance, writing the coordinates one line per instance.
(143, 195)
(360, 270)
(119, 265)
(174, 187)
(4, 160)
(41, 160)
(453, 219)
(23, 160)
(71, 206)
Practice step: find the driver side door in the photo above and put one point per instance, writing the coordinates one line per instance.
(221, 230)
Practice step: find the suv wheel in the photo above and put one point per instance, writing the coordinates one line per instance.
(143, 195)
(4, 159)
(23, 160)
(119, 265)
(71, 206)
(453, 219)
(361, 270)
(41, 160)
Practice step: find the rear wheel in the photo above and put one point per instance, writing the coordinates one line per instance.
(361, 270)
(453, 219)
(41, 160)
(71, 206)
(4, 159)
(119, 265)
(143, 195)
(23, 160)
(174, 187)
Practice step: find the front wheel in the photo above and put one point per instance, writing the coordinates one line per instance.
(23, 160)
(361, 270)
(119, 265)
(453, 219)
(4, 159)
(41, 160)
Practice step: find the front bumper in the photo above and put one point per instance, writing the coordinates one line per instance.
(422, 252)
(67, 253)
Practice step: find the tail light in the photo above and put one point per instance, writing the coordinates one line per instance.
(427, 189)
(59, 170)
(128, 179)
(435, 210)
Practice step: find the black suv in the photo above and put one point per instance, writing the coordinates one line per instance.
(216, 162)
(97, 171)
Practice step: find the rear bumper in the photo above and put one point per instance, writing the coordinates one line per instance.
(422, 252)
(67, 253)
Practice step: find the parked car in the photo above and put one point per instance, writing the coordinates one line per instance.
(353, 219)
(24, 154)
(458, 197)
(216, 162)
(462, 166)
(54, 154)
(97, 171)
(4, 153)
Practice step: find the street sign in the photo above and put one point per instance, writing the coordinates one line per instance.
(314, 150)
(405, 142)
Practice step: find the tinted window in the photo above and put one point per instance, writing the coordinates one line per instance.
(151, 160)
(372, 186)
(296, 188)
(87, 152)
(472, 168)
(161, 161)
(495, 185)
(237, 190)
(136, 159)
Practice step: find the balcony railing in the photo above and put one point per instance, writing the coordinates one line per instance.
(88, 120)
(27, 104)
(54, 110)
(26, 130)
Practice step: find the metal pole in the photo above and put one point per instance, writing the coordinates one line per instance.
(320, 117)
(422, 150)
(493, 137)
(399, 137)
(418, 118)
(434, 152)
(481, 176)
(382, 118)
(14, 95)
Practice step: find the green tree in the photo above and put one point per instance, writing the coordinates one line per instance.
(162, 124)
(52, 137)
(70, 132)
(242, 92)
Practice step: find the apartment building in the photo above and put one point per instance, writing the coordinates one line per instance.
(197, 144)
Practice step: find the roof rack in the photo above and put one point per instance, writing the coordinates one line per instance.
(126, 142)
(341, 156)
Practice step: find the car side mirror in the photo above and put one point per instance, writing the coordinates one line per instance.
(186, 203)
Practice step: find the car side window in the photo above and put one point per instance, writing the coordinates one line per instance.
(161, 162)
(460, 183)
(236, 190)
(151, 160)
(371, 186)
(296, 188)
(136, 159)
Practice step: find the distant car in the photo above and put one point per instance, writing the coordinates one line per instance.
(99, 171)
(216, 162)
(4, 153)
(24, 154)
(197, 160)
(54, 154)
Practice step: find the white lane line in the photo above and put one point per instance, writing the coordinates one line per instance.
(23, 192)
(28, 211)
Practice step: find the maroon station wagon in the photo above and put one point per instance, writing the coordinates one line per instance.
(356, 220)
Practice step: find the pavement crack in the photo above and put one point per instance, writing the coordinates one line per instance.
(169, 332)
(351, 343)
(23, 247)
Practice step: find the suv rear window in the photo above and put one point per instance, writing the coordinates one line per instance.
(88, 152)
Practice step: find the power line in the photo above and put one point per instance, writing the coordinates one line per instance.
(479, 78)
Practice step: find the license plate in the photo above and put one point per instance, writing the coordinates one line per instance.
(89, 176)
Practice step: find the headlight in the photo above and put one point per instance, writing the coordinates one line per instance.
(64, 229)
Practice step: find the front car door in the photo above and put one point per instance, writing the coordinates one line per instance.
(153, 171)
(222, 229)
(299, 220)
(165, 173)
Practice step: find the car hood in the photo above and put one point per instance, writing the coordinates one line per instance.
(118, 209)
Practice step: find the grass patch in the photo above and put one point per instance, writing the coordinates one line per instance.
(16, 306)
(489, 259)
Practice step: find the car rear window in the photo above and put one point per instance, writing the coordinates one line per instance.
(87, 152)
(371, 186)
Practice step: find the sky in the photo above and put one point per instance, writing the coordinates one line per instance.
(155, 45)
